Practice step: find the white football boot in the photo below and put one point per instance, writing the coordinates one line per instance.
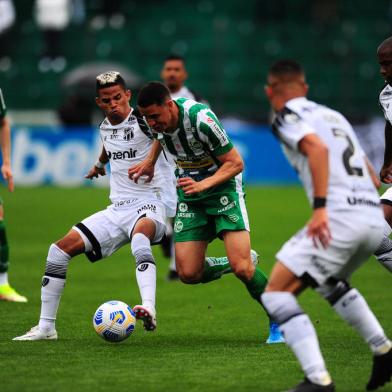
(254, 256)
(36, 334)
(148, 315)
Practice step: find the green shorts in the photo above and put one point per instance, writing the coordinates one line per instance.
(223, 208)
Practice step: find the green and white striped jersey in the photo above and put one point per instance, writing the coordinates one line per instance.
(3, 108)
(197, 142)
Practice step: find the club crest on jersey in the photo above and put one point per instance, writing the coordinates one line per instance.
(291, 118)
(128, 133)
(131, 153)
(195, 144)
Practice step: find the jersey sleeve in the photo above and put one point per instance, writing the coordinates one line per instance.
(386, 105)
(290, 128)
(212, 133)
(3, 108)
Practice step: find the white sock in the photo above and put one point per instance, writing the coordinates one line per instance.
(53, 283)
(299, 333)
(172, 265)
(3, 278)
(145, 268)
(51, 291)
(353, 308)
(384, 251)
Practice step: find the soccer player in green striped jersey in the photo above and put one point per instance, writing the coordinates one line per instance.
(7, 293)
(211, 199)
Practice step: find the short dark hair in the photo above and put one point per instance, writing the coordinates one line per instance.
(109, 79)
(284, 67)
(171, 57)
(153, 93)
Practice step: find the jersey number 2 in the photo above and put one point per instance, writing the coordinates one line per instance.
(348, 153)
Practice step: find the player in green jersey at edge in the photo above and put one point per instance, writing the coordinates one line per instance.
(210, 190)
(7, 293)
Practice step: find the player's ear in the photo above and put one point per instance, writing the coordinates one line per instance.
(98, 101)
(128, 94)
(268, 91)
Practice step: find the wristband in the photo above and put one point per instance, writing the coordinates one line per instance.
(319, 202)
(99, 164)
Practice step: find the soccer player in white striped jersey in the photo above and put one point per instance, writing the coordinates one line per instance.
(345, 228)
(384, 54)
(136, 216)
(211, 198)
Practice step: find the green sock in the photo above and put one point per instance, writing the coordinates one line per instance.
(3, 249)
(214, 268)
(257, 284)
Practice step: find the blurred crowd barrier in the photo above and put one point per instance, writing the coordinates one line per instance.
(60, 156)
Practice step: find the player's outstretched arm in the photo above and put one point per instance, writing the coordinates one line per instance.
(5, 142)
(386, 170)
(317, 152)
(232, 165)
(146, 166)
(99, 167)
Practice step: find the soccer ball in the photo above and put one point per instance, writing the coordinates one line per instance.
(114, 321)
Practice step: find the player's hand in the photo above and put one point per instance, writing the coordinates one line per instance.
(190, 186)
(95, 172)
(7, 175)
(144, 168)
(386, 174)
(318, 228)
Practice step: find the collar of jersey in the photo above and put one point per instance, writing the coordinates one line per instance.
(110, 126)
(180, 116)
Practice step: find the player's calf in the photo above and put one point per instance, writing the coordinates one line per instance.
(300, 337)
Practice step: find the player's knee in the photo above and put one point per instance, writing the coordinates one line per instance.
(189, 277)
(281, 306)
(71, 244)
(244, 270)
(333, 292)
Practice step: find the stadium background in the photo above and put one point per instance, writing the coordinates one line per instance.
(209, 337)
(228, 48)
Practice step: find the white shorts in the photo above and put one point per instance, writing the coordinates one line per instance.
(353, 242)
(386, 197)
(110, 229)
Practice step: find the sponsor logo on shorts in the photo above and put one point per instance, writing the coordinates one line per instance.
(185, 214)
(234, 217)
(321, 268)
(224, 200)
(228, 207)
(45, 281)
(178, 226)
(151, 207)
(124, 202)
(183, 207)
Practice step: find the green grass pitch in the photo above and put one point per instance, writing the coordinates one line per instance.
(209, 337)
